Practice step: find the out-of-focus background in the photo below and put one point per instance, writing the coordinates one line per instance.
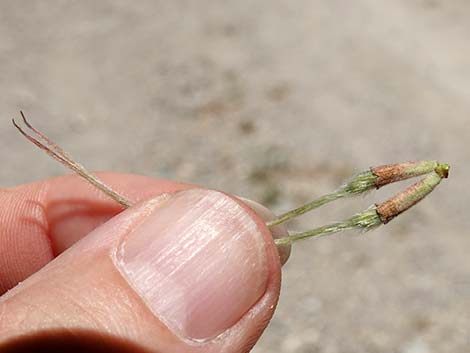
(278, 101)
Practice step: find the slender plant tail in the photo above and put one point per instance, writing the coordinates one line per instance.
(373, 178)
(53, 150)
(381, 213)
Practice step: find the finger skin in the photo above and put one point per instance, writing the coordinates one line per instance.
(83, 290)
(38, 221)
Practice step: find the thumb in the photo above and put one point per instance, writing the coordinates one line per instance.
(194, 271)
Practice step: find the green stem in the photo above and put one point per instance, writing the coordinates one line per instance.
(361, 183)
(365, 220)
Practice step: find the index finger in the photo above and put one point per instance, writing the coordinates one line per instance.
(38, 221)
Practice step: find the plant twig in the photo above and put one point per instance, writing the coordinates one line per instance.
(375, 177)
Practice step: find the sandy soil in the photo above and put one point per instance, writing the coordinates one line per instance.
(278, 101)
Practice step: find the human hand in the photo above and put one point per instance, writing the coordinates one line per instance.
(192, 270)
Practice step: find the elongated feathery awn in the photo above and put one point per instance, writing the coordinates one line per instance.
(373, 178)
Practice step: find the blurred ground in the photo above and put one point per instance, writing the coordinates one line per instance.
(278, 101)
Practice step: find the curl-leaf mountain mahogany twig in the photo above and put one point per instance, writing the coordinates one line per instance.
(373, 178)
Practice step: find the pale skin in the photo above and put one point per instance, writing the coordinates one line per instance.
(81, 290)
(183, 269)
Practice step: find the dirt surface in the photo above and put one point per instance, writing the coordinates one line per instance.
(278, 101)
